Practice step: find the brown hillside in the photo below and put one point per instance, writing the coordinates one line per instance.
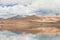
(31, 24)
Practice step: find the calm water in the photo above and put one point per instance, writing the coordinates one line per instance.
(7, 35)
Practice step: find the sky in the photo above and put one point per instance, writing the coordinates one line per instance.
(10, 8)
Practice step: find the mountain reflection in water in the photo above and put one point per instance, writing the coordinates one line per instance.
(8, 35)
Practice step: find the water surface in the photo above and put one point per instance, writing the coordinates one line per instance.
(8, 35)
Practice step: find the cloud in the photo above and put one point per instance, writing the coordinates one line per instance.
(29, 7)
(14, 1)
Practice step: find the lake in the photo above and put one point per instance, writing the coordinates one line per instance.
(8, 35)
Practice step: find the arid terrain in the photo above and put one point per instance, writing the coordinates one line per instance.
(32, 24)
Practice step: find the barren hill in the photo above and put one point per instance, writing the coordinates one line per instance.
(31, 24)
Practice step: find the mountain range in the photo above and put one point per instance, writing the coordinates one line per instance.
(32, 24)
(38, 18)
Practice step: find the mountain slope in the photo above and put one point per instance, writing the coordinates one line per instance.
(31, 24)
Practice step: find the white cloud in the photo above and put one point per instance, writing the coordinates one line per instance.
(14, 1)
(32, 5)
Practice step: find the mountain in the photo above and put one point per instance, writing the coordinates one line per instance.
(34, 18)
(32, 24)
(38, 18)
